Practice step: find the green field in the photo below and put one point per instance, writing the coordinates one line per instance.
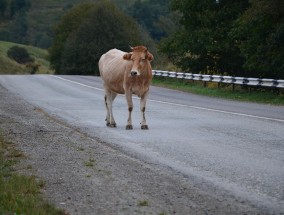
(8, 66)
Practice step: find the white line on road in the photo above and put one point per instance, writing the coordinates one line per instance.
(218, 111)
(181, 105)
(74, 82)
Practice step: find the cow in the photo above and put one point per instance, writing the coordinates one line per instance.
(126, 73)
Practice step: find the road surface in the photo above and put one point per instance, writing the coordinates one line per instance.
(222, 147)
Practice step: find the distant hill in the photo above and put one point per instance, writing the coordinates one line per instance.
(33, 20)
(33, 24)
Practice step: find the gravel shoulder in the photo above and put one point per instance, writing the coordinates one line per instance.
(84, 175)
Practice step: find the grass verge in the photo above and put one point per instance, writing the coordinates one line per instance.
(20, 194)
(9, 66)
(240, 93)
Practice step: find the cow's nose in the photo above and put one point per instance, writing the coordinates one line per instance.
(133, 73)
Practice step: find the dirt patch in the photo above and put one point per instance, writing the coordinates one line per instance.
(85, 176)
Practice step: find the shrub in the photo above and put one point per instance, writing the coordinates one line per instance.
(20, 55)
(32, 67)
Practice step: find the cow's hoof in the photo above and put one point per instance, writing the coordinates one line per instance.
(144, 127)
(111, 125)
(129, 127)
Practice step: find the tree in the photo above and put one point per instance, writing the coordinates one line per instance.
(15, 26)
(80, 42)
(18, 5)
(203, 43)
(260, 35)
(68, 24)
(19, 28)
(3, 6)
(153, 15)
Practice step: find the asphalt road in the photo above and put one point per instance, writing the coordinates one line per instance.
(222, 147)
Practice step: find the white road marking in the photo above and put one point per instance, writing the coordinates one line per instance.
(180, 105)
(218, 111)
(74, 82)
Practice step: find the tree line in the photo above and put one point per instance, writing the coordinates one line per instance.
(14, 12)
(225, 37)
(89, 30)
(239, 38)
(8, 8)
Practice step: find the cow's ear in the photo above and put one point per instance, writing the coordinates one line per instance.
(149, 56)
(127, 56)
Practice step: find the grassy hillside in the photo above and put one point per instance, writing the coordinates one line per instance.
(8, 66)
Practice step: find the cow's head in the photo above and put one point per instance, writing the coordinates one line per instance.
(140, 57)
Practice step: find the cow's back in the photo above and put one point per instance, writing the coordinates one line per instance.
(112, 68)
(112, 62)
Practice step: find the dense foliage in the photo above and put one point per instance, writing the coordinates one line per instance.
(30, 21)
(20, 55)
(8, 9)
(203, 44)
(260, 36)
(14, 12)
(86, 32)
(240, 38)
(33, 19)
(153, 15)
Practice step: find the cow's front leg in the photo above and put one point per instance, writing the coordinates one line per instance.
(130, 108)
(143, 100)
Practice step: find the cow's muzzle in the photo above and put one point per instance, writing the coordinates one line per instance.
(133, 73)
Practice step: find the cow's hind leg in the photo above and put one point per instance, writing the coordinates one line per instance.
(109, 97)
(143, 100)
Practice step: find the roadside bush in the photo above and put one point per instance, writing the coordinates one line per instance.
(32, 67)
(20, 55)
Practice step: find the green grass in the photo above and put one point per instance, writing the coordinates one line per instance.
(9, 66)
(90, 163)
(143, 203)
(240, 93)
(20, 194)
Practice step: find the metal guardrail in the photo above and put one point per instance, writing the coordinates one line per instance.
(222, 79)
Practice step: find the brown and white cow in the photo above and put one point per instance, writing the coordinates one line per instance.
(126, 73)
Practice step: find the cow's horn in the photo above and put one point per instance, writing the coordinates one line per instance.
(131, 47)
